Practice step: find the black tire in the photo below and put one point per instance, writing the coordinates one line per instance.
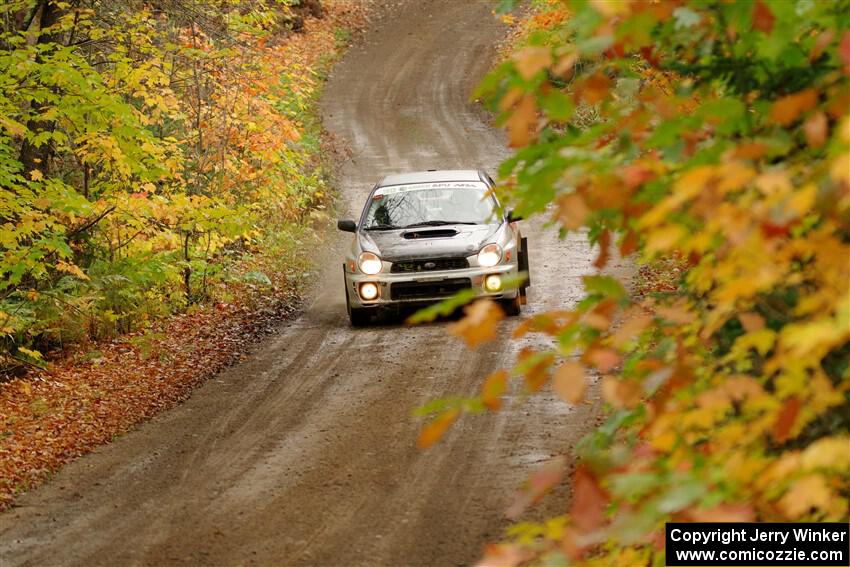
(358, 316)
(512, 307)
(523, 266)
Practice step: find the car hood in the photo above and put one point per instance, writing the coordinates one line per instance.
(428, 242)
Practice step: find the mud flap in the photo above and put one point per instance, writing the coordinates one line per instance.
(523, 263)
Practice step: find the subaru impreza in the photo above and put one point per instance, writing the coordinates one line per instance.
(425, 236)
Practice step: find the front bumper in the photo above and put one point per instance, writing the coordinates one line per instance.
(418, 285)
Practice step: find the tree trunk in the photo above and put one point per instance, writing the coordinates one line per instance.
(47, 14)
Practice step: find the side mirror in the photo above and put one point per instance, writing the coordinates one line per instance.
(346, 225)
(512, 217)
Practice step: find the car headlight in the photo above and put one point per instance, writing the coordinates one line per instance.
(490, 255)
(369, 263)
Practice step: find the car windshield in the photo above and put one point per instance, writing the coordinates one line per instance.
(434, 204)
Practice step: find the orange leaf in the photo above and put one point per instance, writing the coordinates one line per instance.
(636, 174)
(479, 324)
(569, 382)
(763, 18)
(679, 314)
(786, 419)
(503, 555)
(815, 128)
(595, 88)
(564, 67)
(539, 483)
(751, 321)
(511, 98)
(538, 373)
(629, 243)
(821, 43)
(531, 60)
(604, 250)
(844, 50)
(589, 501)
(435, 430)
(724, 513)
(605, 359)
(492, 390)
(620, 393)
(750, 150)
(522, 120)
(572, 211)
(548, 475)
(785, 110)
(630, 329)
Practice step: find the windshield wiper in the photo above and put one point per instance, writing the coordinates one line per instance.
(437, 223)
(383, 227)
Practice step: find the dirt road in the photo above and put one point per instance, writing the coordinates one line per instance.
(305, 454)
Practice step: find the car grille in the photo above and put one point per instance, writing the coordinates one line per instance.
(428, 290)
(429, 265)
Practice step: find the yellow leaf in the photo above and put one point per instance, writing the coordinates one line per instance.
(806, 493)
(36, 175)
(775, 182)
(831, 453)
(734, 175)
(33, 354)
(815, 336)
(70, 268)
(610, 9)
(492, 390)
(569, 382)
(802, 201)
(665, 238)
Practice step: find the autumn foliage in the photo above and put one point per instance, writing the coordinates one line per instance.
(713, 138)
(152, 156)
(156, 195)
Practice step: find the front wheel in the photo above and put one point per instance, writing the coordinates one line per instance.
(358, 316)
(512, 307)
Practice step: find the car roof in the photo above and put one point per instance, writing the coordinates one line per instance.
(432, 176)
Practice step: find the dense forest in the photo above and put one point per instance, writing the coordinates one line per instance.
(709, 142)
(152, 155)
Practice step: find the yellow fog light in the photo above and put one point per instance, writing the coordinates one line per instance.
(368, 291)
(493, 282)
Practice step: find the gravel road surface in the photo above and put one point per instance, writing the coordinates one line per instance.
(304, 454)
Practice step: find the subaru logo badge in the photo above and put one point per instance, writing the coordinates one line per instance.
(430, 265)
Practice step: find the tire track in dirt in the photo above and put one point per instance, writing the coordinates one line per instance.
(304, 454)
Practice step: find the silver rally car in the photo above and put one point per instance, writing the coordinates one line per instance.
(425, 236)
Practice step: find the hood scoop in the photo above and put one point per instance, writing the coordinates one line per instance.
(430, 233)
